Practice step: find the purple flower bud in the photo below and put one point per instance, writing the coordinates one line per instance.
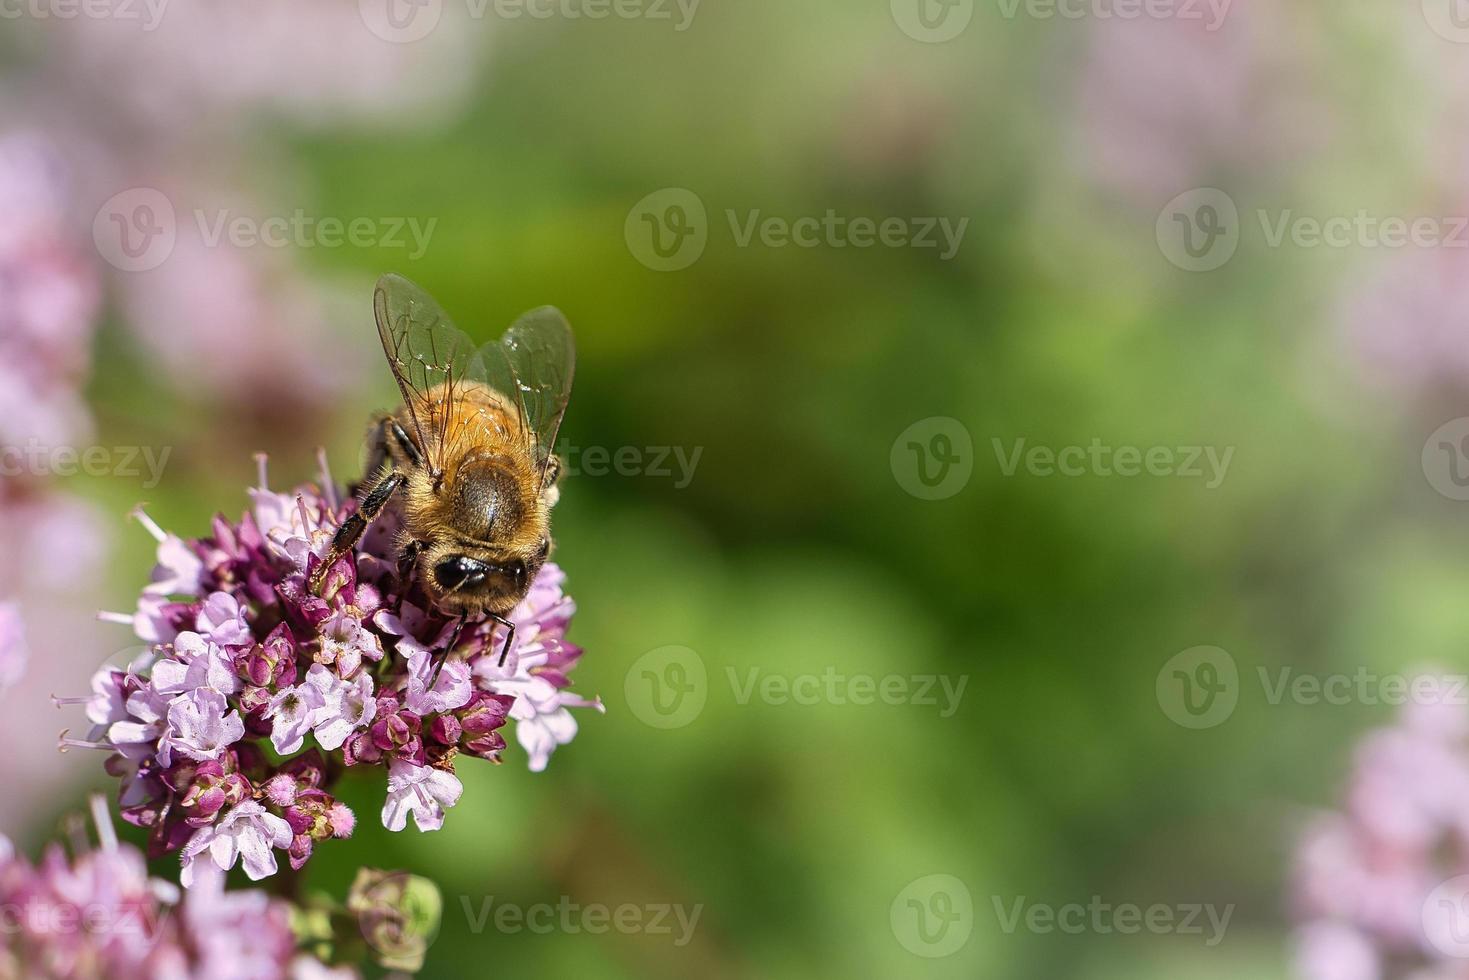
(271, 663)
(340, 583)
(360, 749)
(485, 712)
(299, 851)
(308, 769)
(317, 815)
(254, 701)
(211, 790)
(486, 747)
(445, 729)
(305, 610)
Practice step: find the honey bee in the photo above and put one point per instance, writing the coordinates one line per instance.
(467, 459)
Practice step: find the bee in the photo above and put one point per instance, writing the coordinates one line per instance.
(467, 458)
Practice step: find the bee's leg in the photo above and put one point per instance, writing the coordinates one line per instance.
(403, 441)
(407, 558)
(448, 648)
(352, 528)
(377, 444)
(509, 636)
(386, 435)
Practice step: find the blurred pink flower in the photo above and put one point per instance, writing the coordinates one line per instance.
(1169, 103)
(49, 295)
(57, 544)
(313, 61)
(138, 927)
(13, 650)
(1405, 320)
(243, 326)
(1331, 951)
(58, 548)
(1362, 876)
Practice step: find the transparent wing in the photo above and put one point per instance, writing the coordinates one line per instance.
(533, 365)
(430, 358)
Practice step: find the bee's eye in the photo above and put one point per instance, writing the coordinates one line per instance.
(545, 550)
(458, 571)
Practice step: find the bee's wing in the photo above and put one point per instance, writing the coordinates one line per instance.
(429, 356)
(533, 365)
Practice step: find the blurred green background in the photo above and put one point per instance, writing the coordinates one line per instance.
(795, 549)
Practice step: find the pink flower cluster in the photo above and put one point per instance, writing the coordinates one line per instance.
(49, 295)
(100, 915)
(1364, 876)
(242, 656)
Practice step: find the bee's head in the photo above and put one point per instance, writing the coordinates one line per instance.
(494, 537)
